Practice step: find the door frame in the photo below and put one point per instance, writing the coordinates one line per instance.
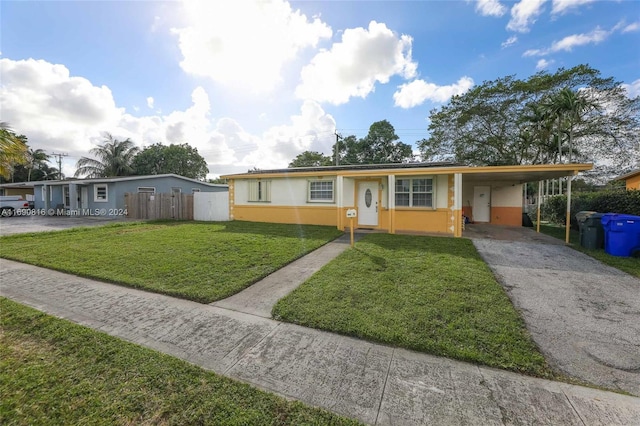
(358, 182)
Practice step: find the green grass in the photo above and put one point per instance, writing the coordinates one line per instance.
(429, 294)
(203, 262)
(630, 265)
(56, 372)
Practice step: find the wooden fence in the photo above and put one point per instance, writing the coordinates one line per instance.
(159, 206)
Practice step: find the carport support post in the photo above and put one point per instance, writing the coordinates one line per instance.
(568, 220)
(539, 201)
(457, 205)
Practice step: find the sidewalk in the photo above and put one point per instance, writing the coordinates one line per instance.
(260, 298)
(373, 383)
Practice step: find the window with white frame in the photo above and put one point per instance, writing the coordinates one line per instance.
(65, 195)
(320, 191)
(176, 190)
(44, 193)
(146, 190)
(100, 193)
(260, 190)
(414, 192)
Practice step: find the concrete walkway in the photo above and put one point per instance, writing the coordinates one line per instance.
(584, 315)
(260, 298)
(373, 383)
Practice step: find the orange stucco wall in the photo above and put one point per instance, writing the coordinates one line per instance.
(421, 220)
(511, 216)
(314, 215)
(633, 182)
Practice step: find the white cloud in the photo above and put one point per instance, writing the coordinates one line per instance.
(150, 102)
(569, 42)
(353, 66)
(633, 89)
(524, 14)
(509, 42)
(543, 64)
(312, 130)
(490, 8)
(563, 6)
(418, 91)
(631, 27)
(60, 112)
(245, 43)
(53, 109)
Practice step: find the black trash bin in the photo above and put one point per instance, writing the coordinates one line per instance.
(592, 232)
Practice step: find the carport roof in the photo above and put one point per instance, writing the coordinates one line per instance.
(516, 173)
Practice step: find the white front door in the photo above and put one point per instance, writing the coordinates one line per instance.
(84, 197)
(368, 204)
(481, 203)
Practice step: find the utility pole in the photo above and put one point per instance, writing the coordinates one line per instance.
(59, 155)
(337, 147)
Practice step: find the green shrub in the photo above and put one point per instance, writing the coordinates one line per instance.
(614, 201)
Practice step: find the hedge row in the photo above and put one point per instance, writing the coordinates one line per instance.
(614, 201)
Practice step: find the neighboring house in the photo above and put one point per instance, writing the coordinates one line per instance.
(108, 193)
(23, 189)
(422, 197)
(632, 179)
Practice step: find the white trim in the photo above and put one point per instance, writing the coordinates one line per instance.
(457, 191)
(96, 197)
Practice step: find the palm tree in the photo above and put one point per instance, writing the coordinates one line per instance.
(569, 107)
(114, 158)
(36, 159)
(13, 150)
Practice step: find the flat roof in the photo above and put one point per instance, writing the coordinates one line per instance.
(518, 173)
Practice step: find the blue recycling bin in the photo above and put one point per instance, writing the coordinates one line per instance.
(621, 234)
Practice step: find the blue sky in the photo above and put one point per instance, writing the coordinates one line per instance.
(254, 84)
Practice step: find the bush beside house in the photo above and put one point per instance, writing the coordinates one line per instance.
(615, 201)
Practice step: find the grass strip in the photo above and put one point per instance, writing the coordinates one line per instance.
(55, 372)
(200, 261)
(630, 265)
(429, 294)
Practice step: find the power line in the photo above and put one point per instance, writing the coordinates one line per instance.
(59, 155)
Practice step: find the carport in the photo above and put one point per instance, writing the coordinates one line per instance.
(497, 192)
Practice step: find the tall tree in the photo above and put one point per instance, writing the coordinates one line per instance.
(36, 160)
(570, 108)
(13, 150)
(182, 160)
(310, 159)
(380, 146)
(113, 158)
(507, 121)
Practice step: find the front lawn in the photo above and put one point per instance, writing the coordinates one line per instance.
(630, 265)
(430, 294)
(56, 372)
(203, 261)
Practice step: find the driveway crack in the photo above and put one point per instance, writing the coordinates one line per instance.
(384, 387)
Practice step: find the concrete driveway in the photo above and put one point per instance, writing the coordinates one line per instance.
(22, 224)
(583, 315)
